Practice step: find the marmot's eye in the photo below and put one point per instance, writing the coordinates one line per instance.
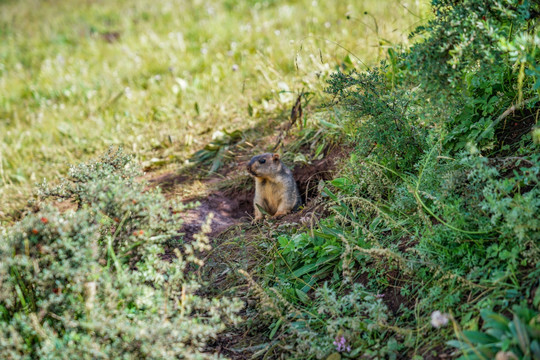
(262, 161)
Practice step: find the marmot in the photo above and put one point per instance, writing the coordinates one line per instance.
(275, 189)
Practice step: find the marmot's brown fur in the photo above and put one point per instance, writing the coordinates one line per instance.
(275, 189)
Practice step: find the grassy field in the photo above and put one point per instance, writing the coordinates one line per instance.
(161, 77)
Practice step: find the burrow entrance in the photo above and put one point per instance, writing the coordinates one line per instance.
(234, 205)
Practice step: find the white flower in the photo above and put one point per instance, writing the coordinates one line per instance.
(182, 83)
(439, 319)
(218, 135)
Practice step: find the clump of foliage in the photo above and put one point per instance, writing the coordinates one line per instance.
(93, 282)
(385, 122)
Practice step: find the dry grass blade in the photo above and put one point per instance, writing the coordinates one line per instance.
(296, 111)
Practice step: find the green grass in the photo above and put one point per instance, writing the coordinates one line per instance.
(160, 77)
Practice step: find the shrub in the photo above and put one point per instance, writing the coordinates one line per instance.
(384, 124)
(94, 283)
(354, 324)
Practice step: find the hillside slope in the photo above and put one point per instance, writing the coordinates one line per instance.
(419, 238)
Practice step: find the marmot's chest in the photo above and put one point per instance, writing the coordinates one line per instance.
(271, 194)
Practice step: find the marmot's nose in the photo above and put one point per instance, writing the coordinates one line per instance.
(249, 169)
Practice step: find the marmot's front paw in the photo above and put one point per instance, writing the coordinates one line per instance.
(279, 214)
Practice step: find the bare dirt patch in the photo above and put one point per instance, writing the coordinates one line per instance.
(229, 206)
(227, 212)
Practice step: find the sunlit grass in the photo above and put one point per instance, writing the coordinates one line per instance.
(160, 77)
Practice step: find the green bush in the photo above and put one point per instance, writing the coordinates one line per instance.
(353, 324)
(334, 325)
(384, 121)
(94, 282)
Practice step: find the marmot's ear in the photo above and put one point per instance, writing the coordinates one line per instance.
(276, 157)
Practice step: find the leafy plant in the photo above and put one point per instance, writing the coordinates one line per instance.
(501, 337)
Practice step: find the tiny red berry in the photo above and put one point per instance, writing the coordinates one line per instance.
(44, 220)
(34, 231)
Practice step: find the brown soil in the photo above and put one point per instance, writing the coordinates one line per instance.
(392, 296)
(308, 176)
(228, 207)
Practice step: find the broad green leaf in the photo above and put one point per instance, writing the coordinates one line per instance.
(329, 124)
(495, 320)
(477, 337)
(310, 267)
(340, 183)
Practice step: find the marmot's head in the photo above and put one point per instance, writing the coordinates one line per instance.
(265, 165)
